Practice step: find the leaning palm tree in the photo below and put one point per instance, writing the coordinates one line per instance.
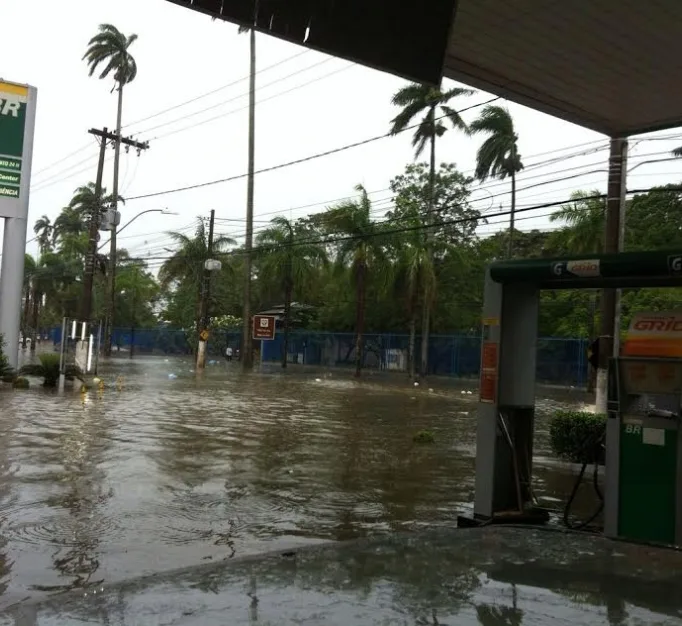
(361, 247)
(111, 48)
(291, 260)
(498, 155)
(43, 230)
(186, 265)
(416, 100)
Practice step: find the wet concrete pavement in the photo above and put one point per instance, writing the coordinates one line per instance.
(157, 472)
(493, 576)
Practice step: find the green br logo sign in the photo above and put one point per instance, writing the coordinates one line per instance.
(13, 103)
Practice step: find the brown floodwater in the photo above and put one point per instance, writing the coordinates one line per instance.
(158, 472)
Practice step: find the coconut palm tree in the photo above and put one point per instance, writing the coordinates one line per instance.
(43, 230)
(498, 155)
(416, 100)
(187, 263)
(111, 48)
(69, 223)
(362, 248)
(90, 206)
(413, 273)
(584, 224)
(287, 257)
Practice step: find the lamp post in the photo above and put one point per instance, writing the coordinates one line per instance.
(129, 222)
(109, 324)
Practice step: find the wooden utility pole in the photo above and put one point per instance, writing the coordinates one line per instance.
(93, 229)
(615, 208)
(204, 315)
(111, 274)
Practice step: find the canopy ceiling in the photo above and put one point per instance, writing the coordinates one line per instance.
(611, 65)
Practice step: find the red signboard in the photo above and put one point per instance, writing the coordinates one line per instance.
(488, 381)
(263, 327)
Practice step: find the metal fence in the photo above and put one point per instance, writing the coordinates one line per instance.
(559, 360)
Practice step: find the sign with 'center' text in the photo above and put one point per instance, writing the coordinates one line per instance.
(17, 116)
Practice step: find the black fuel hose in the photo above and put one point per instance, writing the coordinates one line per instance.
(590, 449)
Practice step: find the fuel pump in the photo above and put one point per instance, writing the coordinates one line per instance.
(643, 495)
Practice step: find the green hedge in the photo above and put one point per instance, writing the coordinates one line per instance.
(577, 436)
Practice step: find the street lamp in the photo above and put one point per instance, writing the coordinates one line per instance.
(128, 223)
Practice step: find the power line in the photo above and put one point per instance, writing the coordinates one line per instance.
(214, 91)
(237, 97)
(290, 163)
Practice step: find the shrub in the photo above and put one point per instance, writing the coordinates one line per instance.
(48, 370)
(20, 383)
(6, 371)
(577, 436)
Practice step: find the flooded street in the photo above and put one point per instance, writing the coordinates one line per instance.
(157, 472)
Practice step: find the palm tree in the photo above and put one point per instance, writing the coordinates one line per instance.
(187, 263)
(89, 205)
(414, 272)
(290, 260)
(43, 229)
(362, 248)
(29, 273)
(111, 48)
(677, 152)
(498, 155)
(584, 219)
(416, 99)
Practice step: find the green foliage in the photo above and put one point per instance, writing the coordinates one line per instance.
(433, 104)
(578, 436)
(498, 155)
(424, 436)
(48, 370)
(20, 383)
(111, 48)
(6, 370)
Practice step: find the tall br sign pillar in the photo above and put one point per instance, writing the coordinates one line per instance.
(17, 122)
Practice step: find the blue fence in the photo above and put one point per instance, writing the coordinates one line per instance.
(559, 360)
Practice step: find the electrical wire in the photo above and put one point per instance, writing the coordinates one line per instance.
(290, 163)
(213, 91)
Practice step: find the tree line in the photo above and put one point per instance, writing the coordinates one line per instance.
(363, 269)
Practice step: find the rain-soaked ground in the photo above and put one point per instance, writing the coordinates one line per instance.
(157, 472)
(492, 576)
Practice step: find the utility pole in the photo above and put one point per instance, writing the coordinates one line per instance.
(111, 274)
(205, 297)
(247, 350)
(615, 208)
(93, 228)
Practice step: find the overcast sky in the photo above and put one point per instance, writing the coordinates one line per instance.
(308, 103)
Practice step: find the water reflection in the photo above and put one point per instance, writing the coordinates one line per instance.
(485, 577)
(158, 473)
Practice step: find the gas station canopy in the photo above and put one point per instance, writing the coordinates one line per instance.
(609, 65)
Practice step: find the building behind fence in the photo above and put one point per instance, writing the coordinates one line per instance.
(559, 360)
